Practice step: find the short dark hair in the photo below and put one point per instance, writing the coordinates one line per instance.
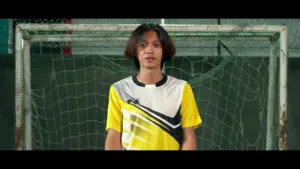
(168, 48)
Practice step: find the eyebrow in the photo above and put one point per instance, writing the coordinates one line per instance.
(143, 40)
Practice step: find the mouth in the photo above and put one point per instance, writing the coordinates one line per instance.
(150, 58)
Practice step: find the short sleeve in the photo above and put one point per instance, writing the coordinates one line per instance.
(114, 115)
(190, 116)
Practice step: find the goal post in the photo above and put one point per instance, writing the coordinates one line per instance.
(25, 34)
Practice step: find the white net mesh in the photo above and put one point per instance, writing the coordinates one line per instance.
(70, 92)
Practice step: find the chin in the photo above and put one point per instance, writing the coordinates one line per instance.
(151, 66)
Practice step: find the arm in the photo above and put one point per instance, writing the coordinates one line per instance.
(113, 140)
(190, 119)
(189, 139)
(114, 122)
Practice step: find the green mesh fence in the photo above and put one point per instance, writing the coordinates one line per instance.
(70, 92)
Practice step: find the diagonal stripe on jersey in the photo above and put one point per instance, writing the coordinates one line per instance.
(174, 130)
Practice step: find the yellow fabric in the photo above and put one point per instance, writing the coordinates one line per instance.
(190, 116)
(145, 135)
(114, 115)
(141, 130)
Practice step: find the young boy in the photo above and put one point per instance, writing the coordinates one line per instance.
(151, 110)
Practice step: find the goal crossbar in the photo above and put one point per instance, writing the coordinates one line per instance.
(80, 37)
(207, 31)
(273, 32)
(168, 27)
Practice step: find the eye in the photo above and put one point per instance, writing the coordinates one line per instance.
(157, 45)
(142, 44)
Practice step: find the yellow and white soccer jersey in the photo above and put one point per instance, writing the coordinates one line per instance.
(151, 117)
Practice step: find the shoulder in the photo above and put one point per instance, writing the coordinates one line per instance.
(122, 85)
(177, 85)
(180, 85)
(122, 82)
(173, 81)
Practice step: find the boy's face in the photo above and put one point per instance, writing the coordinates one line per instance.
(149, 51)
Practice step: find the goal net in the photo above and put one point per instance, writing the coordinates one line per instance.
(64, 71)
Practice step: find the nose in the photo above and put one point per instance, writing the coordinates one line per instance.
(149, 49)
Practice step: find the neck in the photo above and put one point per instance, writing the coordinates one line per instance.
(151, 76)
